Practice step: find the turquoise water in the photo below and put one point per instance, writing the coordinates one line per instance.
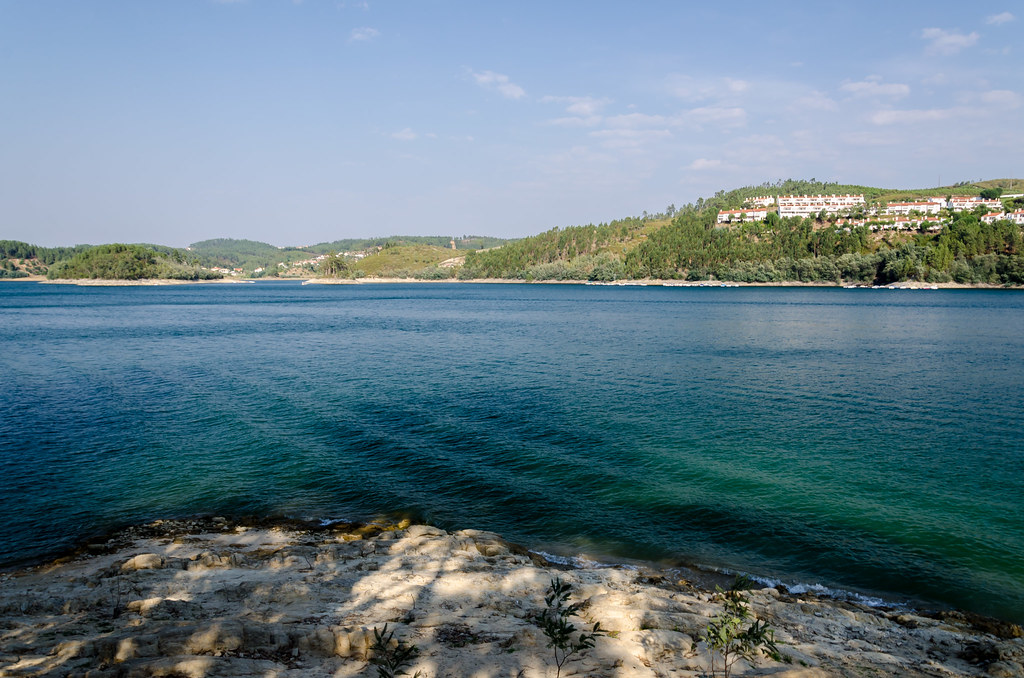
(865, 440)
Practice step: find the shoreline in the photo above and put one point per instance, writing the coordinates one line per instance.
(652, 282)
(276, 597)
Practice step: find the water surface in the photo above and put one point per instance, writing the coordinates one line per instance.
(857, 439)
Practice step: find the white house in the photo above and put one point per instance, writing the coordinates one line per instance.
(961, 203)
(729, 216)
(908, 207)
(806, 205)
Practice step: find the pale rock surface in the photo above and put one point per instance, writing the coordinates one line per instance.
(207, 598)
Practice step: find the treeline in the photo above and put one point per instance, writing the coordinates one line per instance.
(558, 247)
(244, 254)
(129, 262)
(466, 242)
(15, 249)
(692, 247)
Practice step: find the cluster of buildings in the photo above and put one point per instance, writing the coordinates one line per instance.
(895, 215)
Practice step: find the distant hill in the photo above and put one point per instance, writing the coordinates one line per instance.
(691, 245)
(466, 242)
(684, 243)
(129, 262)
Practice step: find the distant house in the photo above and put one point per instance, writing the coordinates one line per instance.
(730, 216)
(807, 205)
(993, 217)
(1016, 217)
(761, 201)
(905, 208)
(962, 203)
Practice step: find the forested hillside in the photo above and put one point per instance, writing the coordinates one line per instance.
(686, 243)
(129, 262)
(693, 246)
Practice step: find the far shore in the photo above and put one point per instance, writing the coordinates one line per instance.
(217, 597)
(650, 282)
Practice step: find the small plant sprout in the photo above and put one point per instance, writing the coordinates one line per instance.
(391, 655)
(726, 636)
(561, 633)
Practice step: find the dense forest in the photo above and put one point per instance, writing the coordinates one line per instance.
(693, 247)
(129, 262)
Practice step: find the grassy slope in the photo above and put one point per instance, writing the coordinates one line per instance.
(402, 259)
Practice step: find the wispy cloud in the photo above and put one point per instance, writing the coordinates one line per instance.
(947, 42)
(730, 116)
(500, 83)
(580, 106)
(816, 101)
(704, 164)
(998, 19)
(404, 135)
(1001, 97)
(911, 116)
(363, 34)
(874, 87)
(627, 138)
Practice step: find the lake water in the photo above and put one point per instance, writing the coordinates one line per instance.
(864, 440)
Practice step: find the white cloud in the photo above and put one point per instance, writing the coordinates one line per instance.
(874, 87)
(725, 116)
(576, 121)
(702, 89)
(1001, 97)
(911, 116)
(737, 85)
(404, 135)
(499, 82)
(815, 101)
(947, 42)
(584, 107)
(364, 34)
(702, 164)
(997, 19)
(636, 120)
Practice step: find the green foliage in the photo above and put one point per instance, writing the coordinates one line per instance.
(334, 266)
(245, 254)
(729, 636)
(391, 655)
(399, 261)
(127, 262)
(516, 259)
(561, 633)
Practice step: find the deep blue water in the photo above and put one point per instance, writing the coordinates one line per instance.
(866, 440)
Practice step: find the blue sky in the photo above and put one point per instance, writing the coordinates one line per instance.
(295, 122)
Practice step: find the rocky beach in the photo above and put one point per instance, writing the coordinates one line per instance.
(212, 597)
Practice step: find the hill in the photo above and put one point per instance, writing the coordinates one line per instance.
(405, 261)
(691, 245)
(129, 262)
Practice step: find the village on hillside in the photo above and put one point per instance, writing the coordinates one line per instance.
(923, 214)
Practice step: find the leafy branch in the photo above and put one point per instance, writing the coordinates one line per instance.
(561, 633)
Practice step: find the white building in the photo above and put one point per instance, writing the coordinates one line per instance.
(729, 216)
(807, 205)
(905, 208)
(961, 203)
(761, 201)
(993, 217)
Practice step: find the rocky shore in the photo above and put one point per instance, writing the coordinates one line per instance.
(209, 597)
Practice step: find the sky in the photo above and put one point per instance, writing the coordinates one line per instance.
(296, 122)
